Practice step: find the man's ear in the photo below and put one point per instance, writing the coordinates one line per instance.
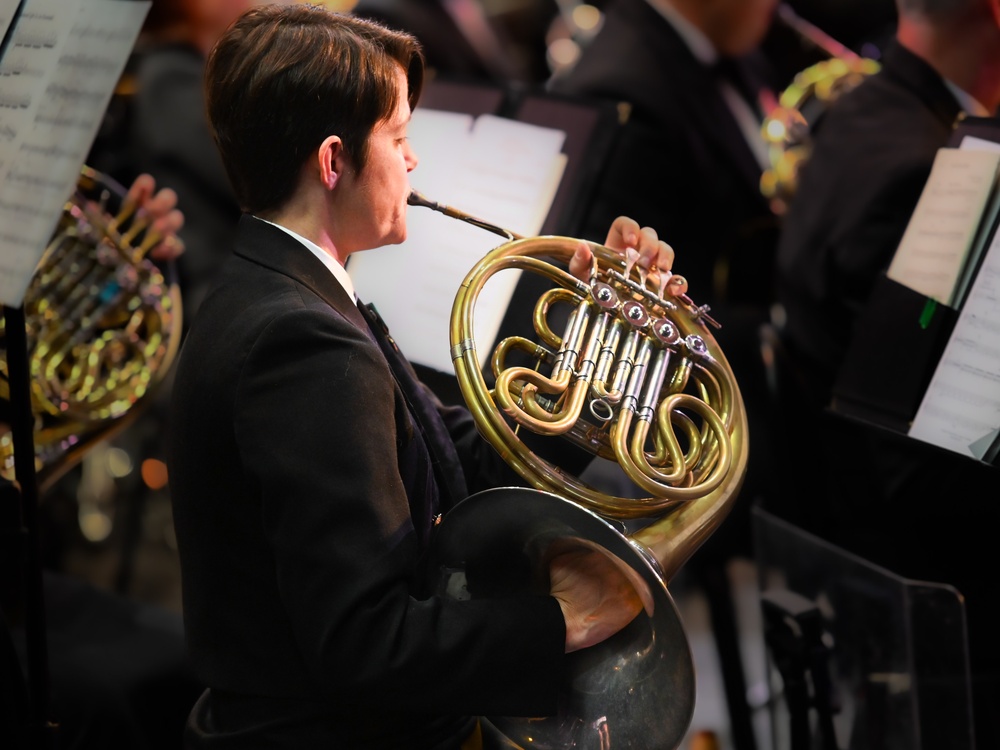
(331, 161)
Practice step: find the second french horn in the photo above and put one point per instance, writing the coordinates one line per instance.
(635, 376)
(787, 130)
(103, 324)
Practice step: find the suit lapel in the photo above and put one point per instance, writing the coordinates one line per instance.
(679, 70)
(446, 464)
(275, 249)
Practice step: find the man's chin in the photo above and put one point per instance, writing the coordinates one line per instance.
(398, 237)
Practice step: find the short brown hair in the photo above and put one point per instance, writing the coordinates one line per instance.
(284, 77)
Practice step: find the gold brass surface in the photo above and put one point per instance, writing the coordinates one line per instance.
(635, 376)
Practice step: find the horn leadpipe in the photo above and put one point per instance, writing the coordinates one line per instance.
(417, 199)
(814, 34)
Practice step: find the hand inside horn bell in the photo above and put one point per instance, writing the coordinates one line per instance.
(599, 594)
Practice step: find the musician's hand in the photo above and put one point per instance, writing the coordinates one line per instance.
(160, 207)
(599, 595)
(626, 236)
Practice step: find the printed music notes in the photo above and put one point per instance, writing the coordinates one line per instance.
(945, 236)
(56, 79)
(961, 407)
(960, 410)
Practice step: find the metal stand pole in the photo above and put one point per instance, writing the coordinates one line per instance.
(42, 733)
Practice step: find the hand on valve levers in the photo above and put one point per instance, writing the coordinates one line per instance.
(598, 593)
(643, 250)
(159, 207)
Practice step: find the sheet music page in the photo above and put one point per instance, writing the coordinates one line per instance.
(961, 408)
(499, 170)
(934, 249)
(55, 84)
(979, 144)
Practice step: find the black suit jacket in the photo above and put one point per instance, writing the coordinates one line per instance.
(680, 164)
(303, 492)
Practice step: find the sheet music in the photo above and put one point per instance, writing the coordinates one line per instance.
(961, 408)
(55, 84)
(503, 171)
(979, 144)
(935, 247)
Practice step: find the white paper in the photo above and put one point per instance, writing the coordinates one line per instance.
(961, 409)
(970, 142)
(499, 170)
(934, 249)
(55, 84)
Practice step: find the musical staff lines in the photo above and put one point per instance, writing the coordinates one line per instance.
(961, 408)
(55, 84)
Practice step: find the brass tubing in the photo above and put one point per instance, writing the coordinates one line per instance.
(605, 361)
(689, 510)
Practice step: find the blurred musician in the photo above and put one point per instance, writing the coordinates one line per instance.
(879, 495)
(872, 155)
(307, 464)
(696, 88)
(168, 134)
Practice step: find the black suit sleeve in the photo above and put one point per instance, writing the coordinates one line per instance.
(335, 514)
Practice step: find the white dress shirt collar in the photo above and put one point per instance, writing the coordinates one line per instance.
(969, 105)
(338, 271)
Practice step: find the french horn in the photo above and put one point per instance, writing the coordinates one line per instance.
(634, 376)
(103, 324)
(788, 127)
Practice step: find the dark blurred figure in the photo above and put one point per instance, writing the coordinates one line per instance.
(691, 76)
(871, 157)
(920, 511)
(476, 40)
(118, 671)
(168, 132)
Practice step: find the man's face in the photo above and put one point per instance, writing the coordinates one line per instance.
(376, 213)
(738, 26)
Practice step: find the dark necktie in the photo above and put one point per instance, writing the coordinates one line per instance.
(728, 70)
(446, 465)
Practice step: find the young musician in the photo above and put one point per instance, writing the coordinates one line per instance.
(306, 466)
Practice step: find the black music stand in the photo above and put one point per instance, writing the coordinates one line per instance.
(862, 658)
(19, 526)
(900, 335)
